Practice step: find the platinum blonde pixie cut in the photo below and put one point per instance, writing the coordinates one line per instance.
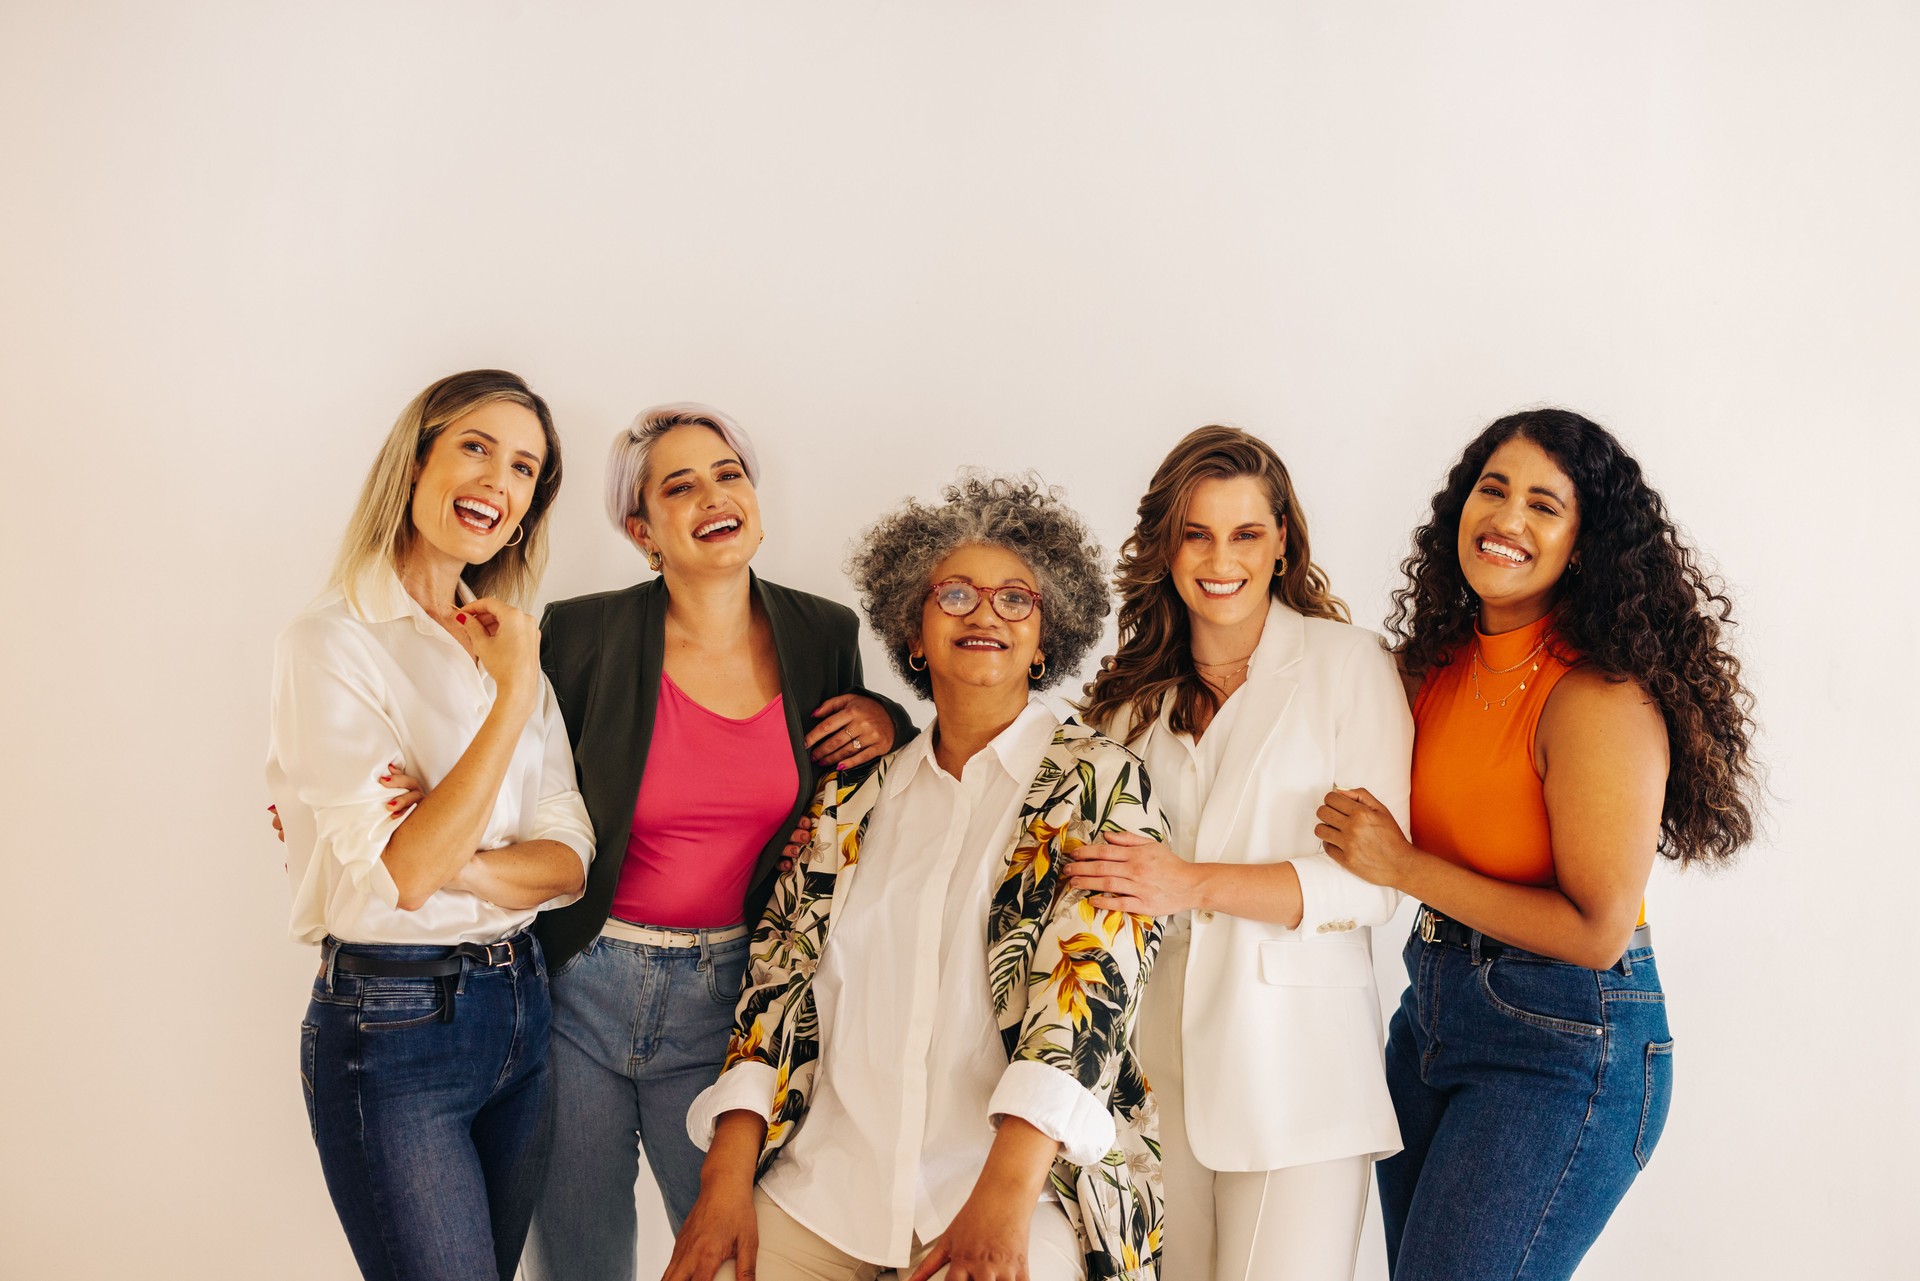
(382, 524)
(892, 565)
(632, 454)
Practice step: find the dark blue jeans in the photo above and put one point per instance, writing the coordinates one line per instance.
(432, 1133)
(1530, 1093)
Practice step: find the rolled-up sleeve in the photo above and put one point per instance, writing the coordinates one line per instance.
(1373, 748)
(1056, 1105)
(745, 1087)
(560, 814)
(332, 738)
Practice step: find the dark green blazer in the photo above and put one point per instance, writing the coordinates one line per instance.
(604, 654)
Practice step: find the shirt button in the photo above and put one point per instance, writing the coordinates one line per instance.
(1203, 916)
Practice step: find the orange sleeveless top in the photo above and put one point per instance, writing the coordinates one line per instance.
(1477, 799)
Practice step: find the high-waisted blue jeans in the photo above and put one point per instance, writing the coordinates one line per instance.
(1530, 1093)
(638, 1031)
(431, 1132)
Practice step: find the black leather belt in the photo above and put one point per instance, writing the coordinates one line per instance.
(455, 959)
(1431, 927)
(447, 967)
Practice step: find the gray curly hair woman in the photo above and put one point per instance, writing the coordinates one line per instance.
(892, 566)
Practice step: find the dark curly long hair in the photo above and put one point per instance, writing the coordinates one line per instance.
(1642, 609)
(1155, 660)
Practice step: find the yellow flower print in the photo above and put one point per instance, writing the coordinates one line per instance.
(1077, 969)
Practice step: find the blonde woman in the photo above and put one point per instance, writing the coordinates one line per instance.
(1249, 695)
(423, 1053)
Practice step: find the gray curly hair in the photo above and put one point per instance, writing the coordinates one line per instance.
(892, 565)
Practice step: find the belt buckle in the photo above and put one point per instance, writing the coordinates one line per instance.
(506, 943)
(1428, 926)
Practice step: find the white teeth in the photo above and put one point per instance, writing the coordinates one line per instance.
(1220, 589)
(980, 644)
(725, 522)
(485, 511)
(1498, 549)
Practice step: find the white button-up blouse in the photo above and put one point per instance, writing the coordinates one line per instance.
(358, 689)
(913, 1073)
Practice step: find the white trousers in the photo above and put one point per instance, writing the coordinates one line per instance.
(792, 1252)
(1301, 1223)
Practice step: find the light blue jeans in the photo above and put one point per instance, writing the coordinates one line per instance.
(638, 1031)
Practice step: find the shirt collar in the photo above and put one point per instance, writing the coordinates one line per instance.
(1017, 748)
(382, 598)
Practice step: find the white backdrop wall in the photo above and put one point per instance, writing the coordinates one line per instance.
(894, 239)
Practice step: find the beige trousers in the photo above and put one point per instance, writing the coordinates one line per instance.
(790, 1252)
(1301, 1223)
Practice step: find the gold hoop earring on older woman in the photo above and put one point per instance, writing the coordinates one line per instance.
(1040, 663)
(519, 532)
(922, 664)
(654, 561)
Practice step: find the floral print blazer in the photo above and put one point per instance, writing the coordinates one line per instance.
(1065, 977)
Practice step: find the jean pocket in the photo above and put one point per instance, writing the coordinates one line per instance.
(393, 1005)
(1657, 1100)
(1547, 994)
(727, 973)
(309, 1038)
(566, 966)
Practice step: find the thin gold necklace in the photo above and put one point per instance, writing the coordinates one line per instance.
(1474, 669)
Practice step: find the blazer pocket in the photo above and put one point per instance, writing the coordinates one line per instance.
(1297, 963)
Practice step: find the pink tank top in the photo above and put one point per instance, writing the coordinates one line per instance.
(714, 793)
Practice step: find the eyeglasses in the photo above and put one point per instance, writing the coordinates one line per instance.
(958, 597)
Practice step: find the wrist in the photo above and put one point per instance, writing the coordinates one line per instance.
(1202, 887)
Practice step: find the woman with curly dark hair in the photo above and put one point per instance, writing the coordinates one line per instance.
(1577, 712)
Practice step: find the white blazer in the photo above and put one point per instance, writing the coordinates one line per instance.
(1281, 1028)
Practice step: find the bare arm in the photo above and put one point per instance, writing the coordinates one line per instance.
(721, 1225)
(429, 849)
(522, 875)
(1602, 750)
(989, 1238)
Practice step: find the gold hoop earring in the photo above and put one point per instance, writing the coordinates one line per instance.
(1280, 566)
(519, 532)
(923, 662)
(1041, 663)
(654, 561)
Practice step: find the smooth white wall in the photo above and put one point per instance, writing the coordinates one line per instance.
(894, 239)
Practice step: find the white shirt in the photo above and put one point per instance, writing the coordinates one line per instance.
(913, 1073)
(1183, 771)
(355, 690)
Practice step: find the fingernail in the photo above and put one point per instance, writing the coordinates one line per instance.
(459, 618)
(272, 810)
(386, 778)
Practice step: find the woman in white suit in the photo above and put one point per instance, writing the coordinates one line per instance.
(1249, 696)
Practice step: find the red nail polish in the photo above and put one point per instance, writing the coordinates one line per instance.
(459, 618)
(272, 810)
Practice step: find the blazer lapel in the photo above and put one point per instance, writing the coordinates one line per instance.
(787, 646)
(625, 702)
(1268, 691)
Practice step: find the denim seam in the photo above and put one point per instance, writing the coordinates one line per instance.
(1579, 1142)
(309, 1044)
(1572, 1027)
(1634, 996)
(388, 1245)
(1655, 1050)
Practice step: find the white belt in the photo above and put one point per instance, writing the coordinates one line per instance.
(628, 932)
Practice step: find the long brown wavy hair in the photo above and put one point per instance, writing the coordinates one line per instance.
(1155, 660)
(1643, 609)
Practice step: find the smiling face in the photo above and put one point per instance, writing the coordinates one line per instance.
(702, 513)
(981, 650)
(478, 481)
(1227, 552)
(1517, 533)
